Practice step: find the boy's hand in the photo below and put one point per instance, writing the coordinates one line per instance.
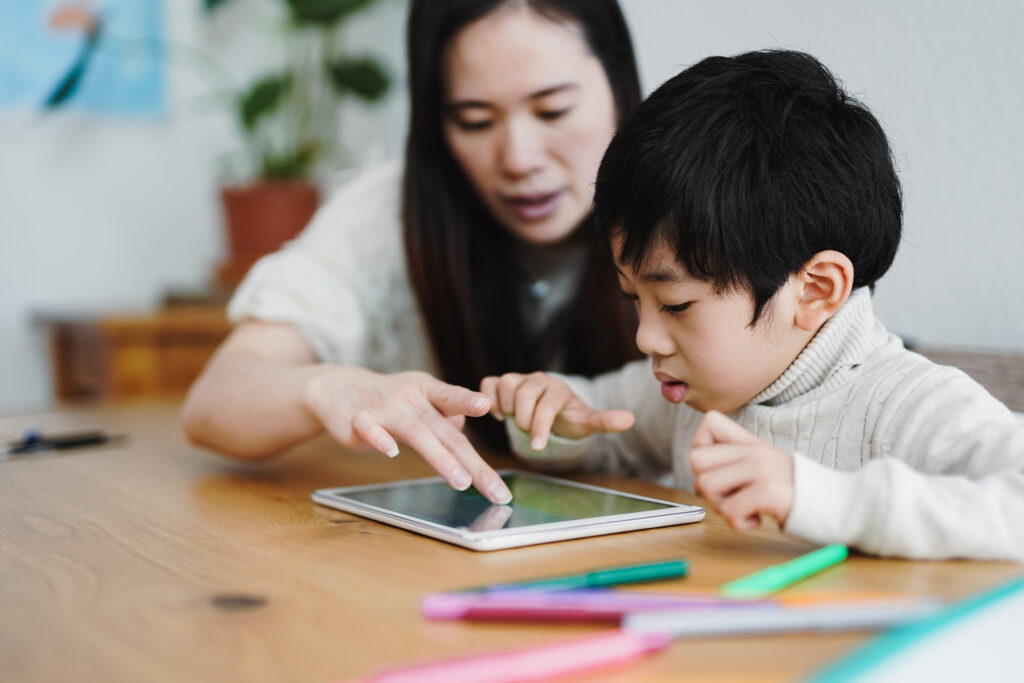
(542, 404)
(740, 475)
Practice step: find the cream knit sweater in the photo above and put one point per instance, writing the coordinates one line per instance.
(893, 454)
(343, 284)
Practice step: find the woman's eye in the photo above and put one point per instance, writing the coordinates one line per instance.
(552, 114)
(629, 296)
(470, 126)
(678, 308)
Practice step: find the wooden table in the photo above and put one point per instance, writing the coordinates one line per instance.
(155, 561)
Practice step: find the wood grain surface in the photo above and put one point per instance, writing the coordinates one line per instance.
(154, 561)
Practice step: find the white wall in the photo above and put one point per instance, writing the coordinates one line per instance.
(946, 79)
(99, 215)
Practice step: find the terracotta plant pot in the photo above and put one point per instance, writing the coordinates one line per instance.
(260, 217)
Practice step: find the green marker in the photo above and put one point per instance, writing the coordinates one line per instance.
(614, 576)
(777, 577)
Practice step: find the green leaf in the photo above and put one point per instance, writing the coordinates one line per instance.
(262, 98)
(211, 5)
(69, 83)
(325, 12)
(364, 77)
(291, 165)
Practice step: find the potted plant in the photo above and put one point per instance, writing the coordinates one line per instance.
(290, 123)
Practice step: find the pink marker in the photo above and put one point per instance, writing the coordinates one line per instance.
(528, 664)
(582, 605)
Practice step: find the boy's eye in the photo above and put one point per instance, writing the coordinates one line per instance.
(552, 114)
(678, 308)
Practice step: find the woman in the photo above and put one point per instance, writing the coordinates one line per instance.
(489, 268)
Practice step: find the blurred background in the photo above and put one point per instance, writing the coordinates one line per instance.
(127, 125)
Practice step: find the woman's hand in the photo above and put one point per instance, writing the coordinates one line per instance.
(543, 404)
(362, 408)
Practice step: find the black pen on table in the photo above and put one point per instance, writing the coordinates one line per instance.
(34, 441)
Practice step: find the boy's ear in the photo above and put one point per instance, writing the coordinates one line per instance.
(823, 286)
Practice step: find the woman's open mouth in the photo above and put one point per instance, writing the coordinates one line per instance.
(533, 207)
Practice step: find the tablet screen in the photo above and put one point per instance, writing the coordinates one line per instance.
(534, 501)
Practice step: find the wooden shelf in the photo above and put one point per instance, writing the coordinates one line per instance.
(128, 355)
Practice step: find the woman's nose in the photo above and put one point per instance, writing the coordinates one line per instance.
(522, 149)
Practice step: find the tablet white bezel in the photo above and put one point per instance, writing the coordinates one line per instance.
(497, 539)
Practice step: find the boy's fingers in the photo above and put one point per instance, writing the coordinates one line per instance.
(717, 484)
(716, 456)
(489, 388)
(578, 420)
(550, 404)
(717, 428)
(508, 384)
(611, 420)
(557, 404)
(527, 396)
(702, 437)
(742, 509)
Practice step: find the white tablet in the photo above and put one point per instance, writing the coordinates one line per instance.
(543, 509)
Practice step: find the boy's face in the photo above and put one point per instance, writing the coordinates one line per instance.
(704, 351)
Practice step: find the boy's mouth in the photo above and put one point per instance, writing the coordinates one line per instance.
(672, 389)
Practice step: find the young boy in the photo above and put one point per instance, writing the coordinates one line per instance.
(750, 205)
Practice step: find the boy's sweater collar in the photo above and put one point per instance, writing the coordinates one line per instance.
(832, 355)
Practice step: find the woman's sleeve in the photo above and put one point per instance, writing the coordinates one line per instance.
(948, 480)
(327, 282)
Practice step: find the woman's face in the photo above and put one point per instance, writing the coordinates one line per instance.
(528, 115)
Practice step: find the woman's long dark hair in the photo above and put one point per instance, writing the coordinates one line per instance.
(460, 259)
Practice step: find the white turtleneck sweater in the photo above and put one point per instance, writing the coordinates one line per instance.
(893, 454)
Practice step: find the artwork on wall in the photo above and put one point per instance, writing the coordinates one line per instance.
(101, 57)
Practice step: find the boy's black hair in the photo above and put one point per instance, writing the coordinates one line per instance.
(747, 166)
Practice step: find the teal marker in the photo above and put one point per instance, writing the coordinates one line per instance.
(890, 644)
(777, 577)
(613, 576)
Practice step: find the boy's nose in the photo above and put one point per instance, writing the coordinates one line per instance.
(651, 338)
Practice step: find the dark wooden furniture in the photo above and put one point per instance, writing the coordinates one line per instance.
(132, 355)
